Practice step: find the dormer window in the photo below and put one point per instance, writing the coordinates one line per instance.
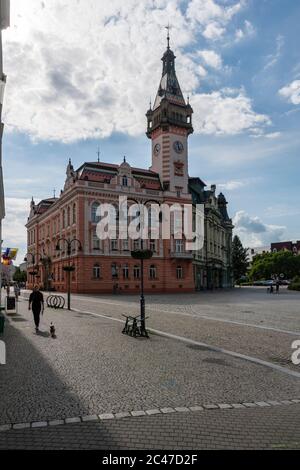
(188, 119)
(124, 181)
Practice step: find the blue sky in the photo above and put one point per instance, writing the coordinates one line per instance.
(81, 76)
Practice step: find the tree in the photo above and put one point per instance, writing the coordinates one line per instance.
(239, 259)
(266, 265)
(20, 276)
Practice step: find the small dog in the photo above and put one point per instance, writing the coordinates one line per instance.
(52, 331)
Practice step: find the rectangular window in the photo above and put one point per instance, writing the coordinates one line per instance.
(125, 245)
(178, 246)
(125, 271)
(114, 245)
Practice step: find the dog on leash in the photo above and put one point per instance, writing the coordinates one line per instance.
(52, 331)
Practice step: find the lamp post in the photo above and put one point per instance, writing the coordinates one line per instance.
(142, 255)
(34, 258)
(68, 269)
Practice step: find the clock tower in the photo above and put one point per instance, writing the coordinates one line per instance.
(169, 125)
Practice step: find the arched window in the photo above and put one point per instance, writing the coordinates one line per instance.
(95, 218)
(137, 272)
(152, 272)
(96, 271)
(179, 272)
(74, 214)
(124, 181)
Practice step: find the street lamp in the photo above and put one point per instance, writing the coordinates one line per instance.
(142, 255)
(68, 269)
(34, 258)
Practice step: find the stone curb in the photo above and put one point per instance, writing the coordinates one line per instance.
(156, 411)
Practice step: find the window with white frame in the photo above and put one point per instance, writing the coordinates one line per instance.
(125, 245)
(125, 271)
(153, 245)
(179, 272)
(152, 272)
(114, 245)
(96, 271)
(137, 272)
(114, 270)
(95, 240)
(136, 244)
(178, 246)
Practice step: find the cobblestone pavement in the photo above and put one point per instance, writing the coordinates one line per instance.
(244, 307)
(91, 368)
(263, 428)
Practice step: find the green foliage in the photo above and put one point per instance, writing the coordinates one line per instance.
(268, 264)
(295, 285)
(20, 276)
(239, 259)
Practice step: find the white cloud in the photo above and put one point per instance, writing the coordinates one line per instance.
(211, 58)
(213, 31)
(246, 32)
(291, 92)
(231, 185)
(14, 231)
(272, 59)
(86, 69)
(253, 232)
(226, 112)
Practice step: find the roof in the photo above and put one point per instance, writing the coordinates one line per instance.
(104, 172)
(169, 87)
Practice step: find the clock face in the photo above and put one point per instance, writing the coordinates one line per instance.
(156, 149)
(178, 146)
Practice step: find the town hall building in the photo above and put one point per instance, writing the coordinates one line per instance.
(106, 266)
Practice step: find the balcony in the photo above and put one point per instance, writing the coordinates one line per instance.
(181, 255)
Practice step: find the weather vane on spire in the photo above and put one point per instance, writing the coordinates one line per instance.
(168, 37)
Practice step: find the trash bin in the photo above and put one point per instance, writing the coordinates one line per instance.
(2, 320)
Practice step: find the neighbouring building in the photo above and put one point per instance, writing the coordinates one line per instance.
(4, 23)
(261, 250)
(107, 266)
(294, 247)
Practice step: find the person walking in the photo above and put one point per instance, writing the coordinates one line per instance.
(277, 286)
(17, 292)
(36, 303)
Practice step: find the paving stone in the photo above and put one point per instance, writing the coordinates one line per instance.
(237, 405)
(152, 412)
(182, 409)
(138, 413)
(89, 418)
(122, 415)
(296, 400)
(274, 402)
(224, 406)
(106, 416)
(167, 410)
(286, 402)
(5, 427)
(250, 405)
(73, 420)
(262, 403)
(39, 424)
(56, 422)
(196, 408)
(210, 407)
(21, 426)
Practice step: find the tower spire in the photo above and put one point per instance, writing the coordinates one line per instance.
(168, 36)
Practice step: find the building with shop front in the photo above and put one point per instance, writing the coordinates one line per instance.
(106, 265)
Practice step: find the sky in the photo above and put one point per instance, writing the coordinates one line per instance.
(80, 74)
